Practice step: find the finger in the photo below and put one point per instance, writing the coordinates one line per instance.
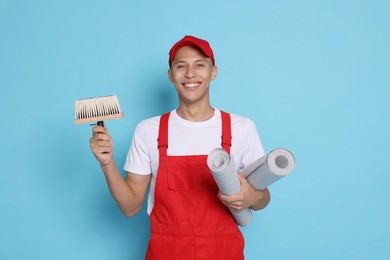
(97, 144)
(102, 137)
(103, 144)
(227, 199)
(101, 150)
(222, 196)
(242, 179)
(235, 207)
(238, 209)
(246, 187)
(99, 129)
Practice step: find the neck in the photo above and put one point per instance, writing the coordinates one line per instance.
(195, 113)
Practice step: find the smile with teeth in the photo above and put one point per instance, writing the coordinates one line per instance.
(191, 85)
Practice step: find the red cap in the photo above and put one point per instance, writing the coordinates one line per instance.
(192, 41)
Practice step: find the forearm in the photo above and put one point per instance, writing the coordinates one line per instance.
(124, 195)
(263, 197)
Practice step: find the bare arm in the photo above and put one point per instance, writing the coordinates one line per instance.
(128, 194)
(248, 197)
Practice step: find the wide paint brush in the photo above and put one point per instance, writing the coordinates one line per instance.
(97, 110)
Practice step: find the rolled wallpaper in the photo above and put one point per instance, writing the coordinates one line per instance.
(260, 174)
(269, 168)
(224, 171)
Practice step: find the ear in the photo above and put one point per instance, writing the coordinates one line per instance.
(170, 75)
(214, 72)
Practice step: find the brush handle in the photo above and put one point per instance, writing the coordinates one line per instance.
(100, 123)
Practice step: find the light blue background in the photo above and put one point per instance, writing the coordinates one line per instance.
(313, 75)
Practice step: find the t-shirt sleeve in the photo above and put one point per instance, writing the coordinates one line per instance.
(138, 157)
(253, 148)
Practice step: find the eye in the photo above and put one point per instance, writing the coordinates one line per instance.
(200, 65)
(180, 66)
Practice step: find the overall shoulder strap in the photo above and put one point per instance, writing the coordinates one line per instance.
(226, 131)
(163, 134)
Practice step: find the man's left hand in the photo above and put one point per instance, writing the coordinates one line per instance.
(248, 197)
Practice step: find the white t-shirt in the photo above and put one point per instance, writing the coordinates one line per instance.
(190, 138)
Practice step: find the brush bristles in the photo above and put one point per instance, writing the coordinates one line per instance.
(97, 109)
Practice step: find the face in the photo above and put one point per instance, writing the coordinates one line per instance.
(191, 73)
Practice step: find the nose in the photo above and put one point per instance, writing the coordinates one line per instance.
(190, 72)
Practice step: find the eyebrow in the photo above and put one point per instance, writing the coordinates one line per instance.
(196, 61)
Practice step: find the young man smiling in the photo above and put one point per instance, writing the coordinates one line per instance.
(191, 73)
(189, 216)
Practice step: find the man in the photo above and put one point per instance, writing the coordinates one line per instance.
(189, 216)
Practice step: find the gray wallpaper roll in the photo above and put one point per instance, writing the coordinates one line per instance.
(269, 168)
(260, 174)
(224, 172)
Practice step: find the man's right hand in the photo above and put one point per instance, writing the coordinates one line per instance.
(101, 145)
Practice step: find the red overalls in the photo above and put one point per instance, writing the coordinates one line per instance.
(188, 221)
